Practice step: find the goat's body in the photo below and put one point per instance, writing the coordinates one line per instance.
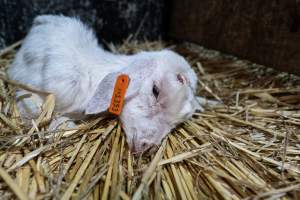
(67, 61)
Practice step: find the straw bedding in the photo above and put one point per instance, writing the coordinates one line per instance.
(246, 148)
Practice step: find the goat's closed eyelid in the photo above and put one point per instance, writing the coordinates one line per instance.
(155, 91)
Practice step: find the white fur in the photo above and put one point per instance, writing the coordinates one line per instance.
(61, 55)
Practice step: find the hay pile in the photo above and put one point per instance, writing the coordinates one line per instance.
(247, 148)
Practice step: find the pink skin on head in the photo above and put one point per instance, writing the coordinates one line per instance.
(147, 119)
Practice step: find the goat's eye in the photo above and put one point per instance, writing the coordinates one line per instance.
(155, 91)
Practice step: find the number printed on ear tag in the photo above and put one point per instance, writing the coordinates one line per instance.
(118, 97)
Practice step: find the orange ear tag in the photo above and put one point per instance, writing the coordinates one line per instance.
(118, 97)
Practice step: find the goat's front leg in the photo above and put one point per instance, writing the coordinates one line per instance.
(30, 107)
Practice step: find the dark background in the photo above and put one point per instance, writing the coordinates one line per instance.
(264, 31)
(113, 20)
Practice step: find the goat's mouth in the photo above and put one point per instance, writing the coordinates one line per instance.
(141, 146)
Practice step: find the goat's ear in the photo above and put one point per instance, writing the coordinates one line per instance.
(138, 72)
(102, 97)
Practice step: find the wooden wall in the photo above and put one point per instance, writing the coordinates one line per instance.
(263, 31)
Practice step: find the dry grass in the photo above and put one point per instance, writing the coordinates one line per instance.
(247, 148)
